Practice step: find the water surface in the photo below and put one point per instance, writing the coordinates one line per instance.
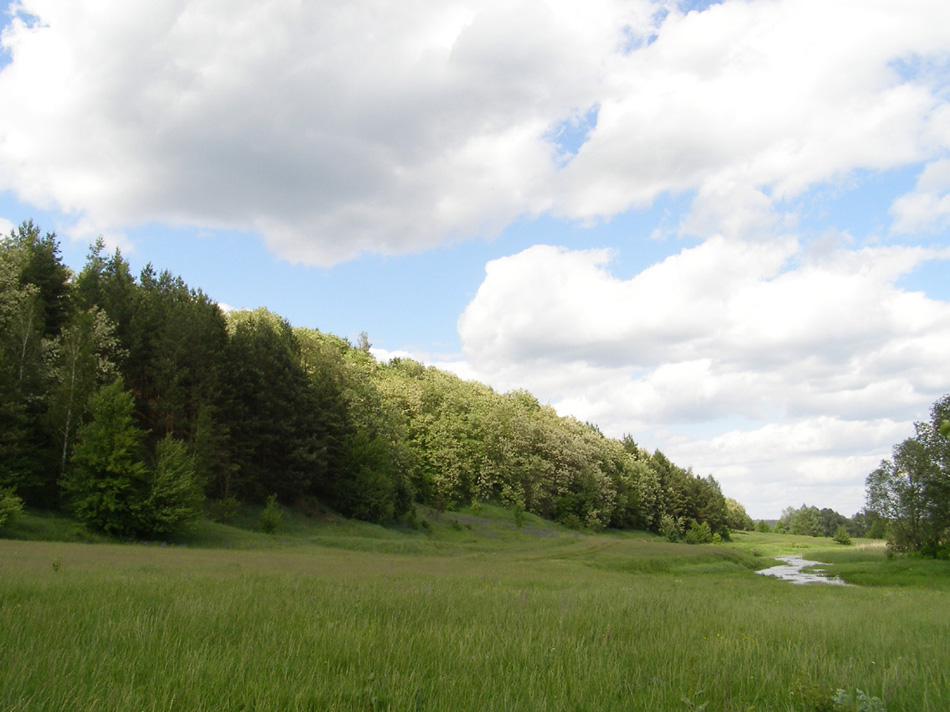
(793, 570)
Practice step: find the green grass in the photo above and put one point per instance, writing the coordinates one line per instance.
(472, 615)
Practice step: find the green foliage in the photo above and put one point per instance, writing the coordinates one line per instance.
(670, 528)
(911, 492)
(258, 407)
(519, 514)
(698, 533)
(736, 516)
(271, 516)
(175, 496)
(11, 506)
(841, 536)
(224, 510)
(107, 483)
(79, 360)
(762, 526)
(857, 701)
(278, 430)
(40, 265)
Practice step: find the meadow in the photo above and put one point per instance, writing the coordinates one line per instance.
(467, 612)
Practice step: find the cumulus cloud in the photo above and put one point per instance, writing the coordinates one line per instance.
(757, 101)
(330, 128)
(337, 128)
(822, 344)
(927, 207)
(819, 461)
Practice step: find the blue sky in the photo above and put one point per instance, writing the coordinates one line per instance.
(720, 227)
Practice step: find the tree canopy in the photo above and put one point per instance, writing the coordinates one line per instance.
(911, 491)
(129, 399)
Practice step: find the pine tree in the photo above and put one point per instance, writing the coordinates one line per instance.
(107, 484)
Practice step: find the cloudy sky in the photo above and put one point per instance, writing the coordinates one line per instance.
(723, 228)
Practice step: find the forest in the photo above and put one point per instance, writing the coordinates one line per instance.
(135, 404)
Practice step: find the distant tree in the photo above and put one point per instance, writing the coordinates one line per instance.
(33, 301)
(271, 411)
(107, 483)
(736, 517)
(16, 468)
(911, 492)
(41, 266)
(830, 521)
(79, 360)
(109, 486)
(804, 521)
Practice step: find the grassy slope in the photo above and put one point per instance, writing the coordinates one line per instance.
(473, 613)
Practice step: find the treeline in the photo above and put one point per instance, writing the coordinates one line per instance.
(812, 521)
(910, 492)
(133, 402)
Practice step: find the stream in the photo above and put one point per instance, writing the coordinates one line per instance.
(793, 571)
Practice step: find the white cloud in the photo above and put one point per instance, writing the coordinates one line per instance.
(927, 207)
(821, 344)
(342, 127)
(331, 128)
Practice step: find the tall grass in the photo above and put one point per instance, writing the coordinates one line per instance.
(524, 623)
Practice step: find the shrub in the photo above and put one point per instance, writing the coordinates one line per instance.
(571, 521)
(670, 528)
(858, 701)
(224, 510)
(841, 536)
(519, 514)
(699, 533)
(10, 506)
(271, 516)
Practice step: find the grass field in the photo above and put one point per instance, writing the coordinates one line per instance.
(471, 613)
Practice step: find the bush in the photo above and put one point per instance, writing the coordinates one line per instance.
(519, 514)
(224, 510)
(670, 528)
(571, 521)
(858, 701)
(841, 536)
(10, 506)
(699, 533)
(271, 516)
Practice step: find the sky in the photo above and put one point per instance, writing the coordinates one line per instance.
(721, 228)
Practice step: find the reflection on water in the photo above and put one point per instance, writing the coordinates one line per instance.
(792, 570)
